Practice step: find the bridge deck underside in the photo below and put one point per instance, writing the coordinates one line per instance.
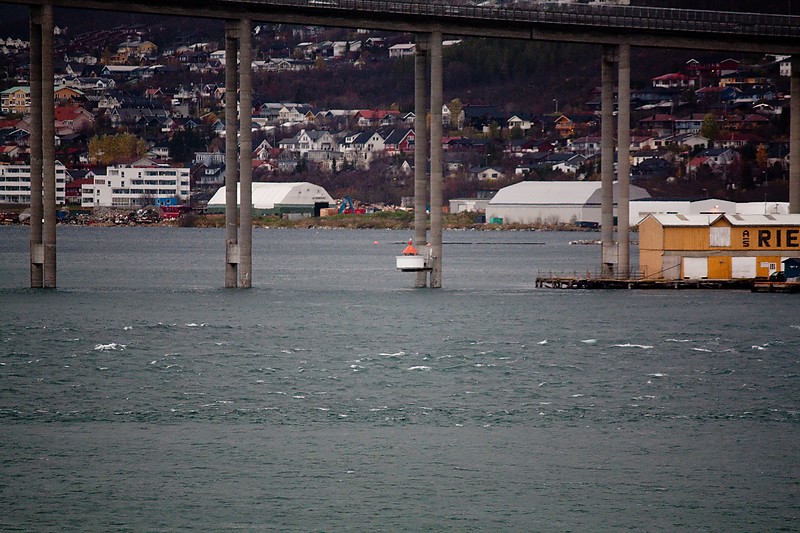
(606, 24)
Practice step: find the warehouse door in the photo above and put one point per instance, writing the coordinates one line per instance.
(695, 267)
(743, 267)
(671, 265)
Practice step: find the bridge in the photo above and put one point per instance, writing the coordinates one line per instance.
(615, 26)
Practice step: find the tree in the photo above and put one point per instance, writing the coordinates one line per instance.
(709, 129)
(107, 149)
(456, 108)
(762, 158)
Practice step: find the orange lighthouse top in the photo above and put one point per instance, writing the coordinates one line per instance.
(410, 250)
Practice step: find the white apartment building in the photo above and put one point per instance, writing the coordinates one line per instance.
(15, 184)
(137, 185)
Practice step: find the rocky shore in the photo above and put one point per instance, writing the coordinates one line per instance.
(379, 220)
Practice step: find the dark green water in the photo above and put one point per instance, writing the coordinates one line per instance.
(141, 396)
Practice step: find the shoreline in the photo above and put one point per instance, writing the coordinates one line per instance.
(398, 220)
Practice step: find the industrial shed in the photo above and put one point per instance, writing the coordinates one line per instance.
(726, 246)
(279, 198)
(676, 206)
(531, 202)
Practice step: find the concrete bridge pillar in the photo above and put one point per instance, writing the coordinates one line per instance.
(609, 257)
(794, 138)
(623, 158)
(420, 149)
(246, 153)
(42, 168)
(232, 252)
(436, 157)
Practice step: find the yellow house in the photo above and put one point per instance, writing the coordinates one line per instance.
(713, 246)
(64, 93)
(16, 100)
(147, 48)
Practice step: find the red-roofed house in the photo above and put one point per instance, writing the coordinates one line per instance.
(736, 139)
(368, 118)
(672, 80)
(73, 118)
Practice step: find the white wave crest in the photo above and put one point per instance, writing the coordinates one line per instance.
(589, 341)
(419, 367)
(629, 345)
(110, 346)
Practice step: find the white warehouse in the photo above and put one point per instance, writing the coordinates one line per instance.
(277, 198)
(552, 202)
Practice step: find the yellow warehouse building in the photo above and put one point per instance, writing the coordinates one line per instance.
(716, 246)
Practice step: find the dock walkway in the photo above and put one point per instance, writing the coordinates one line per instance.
(588, 282)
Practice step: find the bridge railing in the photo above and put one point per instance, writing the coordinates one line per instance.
(587, 15)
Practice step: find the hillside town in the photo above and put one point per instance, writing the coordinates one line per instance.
(139, 122)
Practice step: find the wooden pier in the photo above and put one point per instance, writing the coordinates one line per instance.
(589, 282)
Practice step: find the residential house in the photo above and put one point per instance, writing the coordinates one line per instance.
(737, 139)
(399, 141)
(689, 124)
(15, 100)
(575, 125)
(587, 145)
(296, 114)
(673, 80)
(90, 85)
(287, 161)
(748, 122)
(523, 122)
(368, 118)
(660, 124)
(363, 147)
(343, 48)
(486, 173)
(565, 162)
(402, 50)
(64, 94)
(716, 94)
(654, 167)
(692, 140)
(714, 158)
(208, 176)
(263, 151)
(714, 69)
(209, 158)
(309, 140)
(72, 118)
(742, 78)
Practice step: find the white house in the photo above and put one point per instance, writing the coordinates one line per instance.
(402, 50)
